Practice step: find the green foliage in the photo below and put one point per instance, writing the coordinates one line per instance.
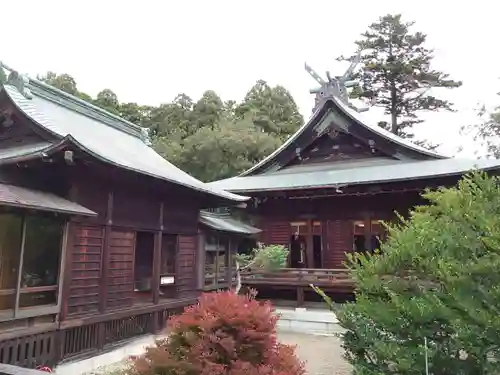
(487, 132)
(224, 334)
(270, 257)
(396, 73)
(436, 278)
(210, 139)
(271, 109)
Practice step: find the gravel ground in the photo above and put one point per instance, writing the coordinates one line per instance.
(322, 354)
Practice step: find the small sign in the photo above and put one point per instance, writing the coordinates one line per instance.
(167, 280)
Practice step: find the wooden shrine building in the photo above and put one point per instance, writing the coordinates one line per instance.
(324, 192)
(99, 235)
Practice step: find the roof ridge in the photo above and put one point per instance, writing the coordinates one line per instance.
(28, 85)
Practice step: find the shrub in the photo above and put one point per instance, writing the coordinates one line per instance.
(224, 333)
(269, 258)
(434, 290)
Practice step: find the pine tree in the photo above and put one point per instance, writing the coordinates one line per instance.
(396, 74)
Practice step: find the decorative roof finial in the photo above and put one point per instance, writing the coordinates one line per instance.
(145, 136)
(335, 86)
(15, 79)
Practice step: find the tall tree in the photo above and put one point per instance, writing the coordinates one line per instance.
(396, 73)
(208, 110)
(221, 151)
(64, 82)
(272, 109)
(108, 100)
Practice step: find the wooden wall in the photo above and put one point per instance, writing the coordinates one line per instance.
(336, 214)
(100, 265)
(186, 269)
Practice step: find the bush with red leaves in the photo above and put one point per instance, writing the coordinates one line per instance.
(224, 334)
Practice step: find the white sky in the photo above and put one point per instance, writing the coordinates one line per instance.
(148, 51)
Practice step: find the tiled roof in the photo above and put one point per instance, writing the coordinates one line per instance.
(102, 134)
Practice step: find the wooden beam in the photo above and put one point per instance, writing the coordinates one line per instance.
(368, 231)
(200, 262)
(309, 245)
(20, 268)
(229, 273)
(155, 279)
(62, 264)
(105, 253)
(324, 241)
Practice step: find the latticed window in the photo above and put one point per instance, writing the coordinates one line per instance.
(216, 261)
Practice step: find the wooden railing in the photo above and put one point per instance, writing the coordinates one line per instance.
(81, 338)
(298, 277)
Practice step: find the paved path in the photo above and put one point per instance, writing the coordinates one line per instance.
(322, 354)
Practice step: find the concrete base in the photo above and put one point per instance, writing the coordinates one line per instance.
(301, 320)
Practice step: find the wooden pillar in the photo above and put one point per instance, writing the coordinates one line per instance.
(105, 254)
(324, 242)
(229, 257)
(200, 262)
(155, 279)
(309, 245)
(368, 231)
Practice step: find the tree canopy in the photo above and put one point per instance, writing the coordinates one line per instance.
(210, 138)
(396, 73)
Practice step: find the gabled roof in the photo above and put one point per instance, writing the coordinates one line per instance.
(405, 160)
(96, 131)
(333, 112)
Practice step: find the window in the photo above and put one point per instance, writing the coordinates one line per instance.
(216, 261)
(168, 252)
(167, 265)
(143, 270)
(30, 254)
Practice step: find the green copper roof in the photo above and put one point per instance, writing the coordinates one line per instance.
(326, 175)
(99, 132)
(226, 224)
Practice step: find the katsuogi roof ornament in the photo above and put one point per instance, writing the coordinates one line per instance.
(335, 86)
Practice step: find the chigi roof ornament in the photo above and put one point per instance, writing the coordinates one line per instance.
(335, 86)
(15, 79)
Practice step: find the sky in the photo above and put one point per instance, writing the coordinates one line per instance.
(149, 51)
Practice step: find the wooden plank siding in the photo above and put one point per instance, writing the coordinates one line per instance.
(84, 269)
(339, 242)
(186, 269)
(120, 278)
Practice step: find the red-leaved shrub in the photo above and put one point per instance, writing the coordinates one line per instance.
(224, 333)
